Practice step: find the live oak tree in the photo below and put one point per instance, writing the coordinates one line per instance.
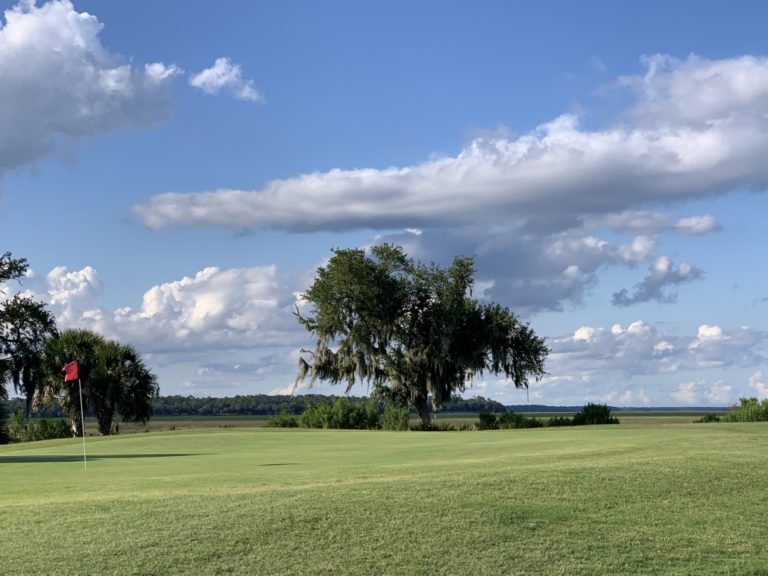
(411, 331)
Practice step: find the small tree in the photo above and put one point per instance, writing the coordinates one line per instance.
(413, 332)
(748, 410)
(594, 414)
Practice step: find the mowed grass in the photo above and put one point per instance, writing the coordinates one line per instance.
(650, 499)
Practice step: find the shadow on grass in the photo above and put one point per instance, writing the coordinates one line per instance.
(39, 458)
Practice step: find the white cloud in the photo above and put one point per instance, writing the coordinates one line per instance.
(72, 294)
(759, 383)
(696, 225)
(685, 393)
(224, 75)
(641, 349)
(698, 129)
(662, 274)
(87, 90)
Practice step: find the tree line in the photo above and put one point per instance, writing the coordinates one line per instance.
(112, 376)
(257, 405)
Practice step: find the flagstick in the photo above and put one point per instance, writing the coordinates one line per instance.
(82, 422)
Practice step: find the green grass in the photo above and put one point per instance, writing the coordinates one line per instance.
(651, 499)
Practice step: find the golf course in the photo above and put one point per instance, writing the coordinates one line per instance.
(628, 499)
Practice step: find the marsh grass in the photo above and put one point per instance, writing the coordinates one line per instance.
(652, 499)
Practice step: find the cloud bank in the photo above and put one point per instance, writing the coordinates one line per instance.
(698, 128)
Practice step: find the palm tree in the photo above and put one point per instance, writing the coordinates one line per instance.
(25, 328)
(120, 381)
(112, 375)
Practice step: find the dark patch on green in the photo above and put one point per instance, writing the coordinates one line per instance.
(43, 458)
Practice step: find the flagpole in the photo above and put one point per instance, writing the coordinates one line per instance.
(82, 422)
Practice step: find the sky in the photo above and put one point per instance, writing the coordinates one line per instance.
(176, 172)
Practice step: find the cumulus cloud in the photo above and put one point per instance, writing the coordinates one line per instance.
(758, 383)
(704, 393)
(661, 274)
(697, 129)
(215, 309)
(641, 348)
(60, 83)
(226, 76)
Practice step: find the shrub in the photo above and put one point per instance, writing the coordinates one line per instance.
(748, 410)
(560, 421)
(710, 417)
(512, 420)
(342, 414)
(282, 420)
(488, 421)
(594, 414)
(395, 418)
(24, 430)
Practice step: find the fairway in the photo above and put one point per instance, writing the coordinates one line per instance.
(651, 499)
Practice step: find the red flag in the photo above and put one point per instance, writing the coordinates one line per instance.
(70, 371)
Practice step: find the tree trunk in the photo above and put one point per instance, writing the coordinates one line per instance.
(422, 409)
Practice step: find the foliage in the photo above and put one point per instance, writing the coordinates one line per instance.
(112, 375)
(10, 269)
(589, 414)
(23, 429)
(412, 331)
(507, 421)
(487, 421)
(556, 421)
(709, 417)
(594, 414)
(25, 328)
(283, 420)
(395, 418)
(342, 414)
(748, 410)
(512, 420)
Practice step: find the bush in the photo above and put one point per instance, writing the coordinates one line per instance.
(342, 414)
(283, 420)
(710, 417)
(512, 420)
(560, 421)
(594, 414)
(395, 418)
(24, 430)
(487, 421)
(748, 410)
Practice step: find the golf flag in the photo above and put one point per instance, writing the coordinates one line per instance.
(70, 371)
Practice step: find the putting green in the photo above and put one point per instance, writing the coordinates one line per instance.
(666, 499)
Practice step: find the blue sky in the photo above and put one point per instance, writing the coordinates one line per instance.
(175, 172)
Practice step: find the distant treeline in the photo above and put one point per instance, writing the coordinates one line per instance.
(266, 405)
(257, 405)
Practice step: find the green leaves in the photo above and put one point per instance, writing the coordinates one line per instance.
(410, 330)
(113, 377)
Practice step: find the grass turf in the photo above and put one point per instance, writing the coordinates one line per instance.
(649, 499)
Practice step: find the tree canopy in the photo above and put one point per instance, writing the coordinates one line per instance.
(25, 328)
(413, 332)
(112, 375)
